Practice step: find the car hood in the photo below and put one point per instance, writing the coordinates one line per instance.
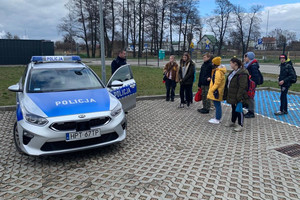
(55, 104)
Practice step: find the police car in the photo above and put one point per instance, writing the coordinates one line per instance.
(63, 106)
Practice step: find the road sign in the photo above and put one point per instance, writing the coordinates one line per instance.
(207, 46)
(146, 46)
(259, 41)
(207, 42)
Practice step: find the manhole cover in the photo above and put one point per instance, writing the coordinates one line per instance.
(290, 150)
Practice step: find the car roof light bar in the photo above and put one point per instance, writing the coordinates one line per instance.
(41, 59)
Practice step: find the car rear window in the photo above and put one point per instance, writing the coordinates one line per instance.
(55, 80)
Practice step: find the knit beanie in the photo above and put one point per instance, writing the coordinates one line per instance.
(216, 61)
(250, 55)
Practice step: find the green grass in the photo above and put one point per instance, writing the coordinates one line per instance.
(9, 76)
(149, 81)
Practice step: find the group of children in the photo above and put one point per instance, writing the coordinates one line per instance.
(216, 87)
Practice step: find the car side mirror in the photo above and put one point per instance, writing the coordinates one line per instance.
(116, 83)
(15, 88)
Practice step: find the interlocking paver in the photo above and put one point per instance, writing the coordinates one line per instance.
(169, 153)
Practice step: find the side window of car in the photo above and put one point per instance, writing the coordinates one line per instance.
(122, 74)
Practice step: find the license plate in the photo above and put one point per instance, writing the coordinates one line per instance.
(82, 135)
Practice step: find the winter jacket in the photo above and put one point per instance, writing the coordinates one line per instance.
(253, 68)
(286, 73)
(205, 73)
(238, 87)
(188, 79)
(217, 84)
(171, 68)
(116, 63)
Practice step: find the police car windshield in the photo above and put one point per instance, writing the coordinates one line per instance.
(56, 80)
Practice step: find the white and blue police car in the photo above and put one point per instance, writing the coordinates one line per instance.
(63, 106)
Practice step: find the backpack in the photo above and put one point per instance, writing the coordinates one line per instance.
(260, 78)
(294, 79)
(251, 87)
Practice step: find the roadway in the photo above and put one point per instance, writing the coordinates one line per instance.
(264, 68)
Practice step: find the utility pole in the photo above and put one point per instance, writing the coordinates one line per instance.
(102, 43)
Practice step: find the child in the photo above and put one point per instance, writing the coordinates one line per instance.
(216, 88)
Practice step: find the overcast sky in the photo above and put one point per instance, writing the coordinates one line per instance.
(38, 19)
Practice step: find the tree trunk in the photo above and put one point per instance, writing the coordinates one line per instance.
(171, 38)
(134, 24)
(123, 25)
(128, 21)
(143, 24)
(180, 27)
(113, 29)
(84, 30)
(92, 35)
(162, 24)
(140, 29)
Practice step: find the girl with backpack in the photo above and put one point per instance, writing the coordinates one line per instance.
(236, 93)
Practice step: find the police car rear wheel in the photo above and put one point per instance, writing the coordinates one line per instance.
(17, 138)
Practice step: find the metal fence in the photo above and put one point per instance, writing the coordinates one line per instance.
(19, 52)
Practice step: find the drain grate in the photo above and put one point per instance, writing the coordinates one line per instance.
(290, 150)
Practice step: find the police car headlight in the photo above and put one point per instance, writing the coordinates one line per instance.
(117, 110)
(35, 119)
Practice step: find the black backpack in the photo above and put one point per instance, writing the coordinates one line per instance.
(294, 79)
(260, 78)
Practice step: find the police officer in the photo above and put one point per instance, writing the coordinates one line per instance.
(119, 61)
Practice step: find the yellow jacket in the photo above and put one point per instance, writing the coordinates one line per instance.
(219, 83)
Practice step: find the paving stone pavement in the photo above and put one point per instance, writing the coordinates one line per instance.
(169, 153)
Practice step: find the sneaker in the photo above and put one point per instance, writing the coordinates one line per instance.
(230, 124)
(280, 113)
(214, 121)
(238, 129)
(199, 110)
(204, 111)
(172, 100)
(181, 105)
(249, 115)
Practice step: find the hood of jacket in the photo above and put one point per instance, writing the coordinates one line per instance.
(221, 68)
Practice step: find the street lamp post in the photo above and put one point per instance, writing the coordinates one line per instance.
(102, 42)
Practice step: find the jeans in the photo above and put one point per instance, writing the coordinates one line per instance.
(283, 99)
(170, 87)
(218, 109)
(205, 101)
(186, 93)
(236, 115)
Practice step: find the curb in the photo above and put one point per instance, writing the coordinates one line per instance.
(157, 97)
(7, 108)
(277, 90)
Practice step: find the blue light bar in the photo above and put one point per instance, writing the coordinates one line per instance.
(38, 59)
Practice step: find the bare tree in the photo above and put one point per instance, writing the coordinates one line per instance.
(219, 23)
(130, 21)
(283, 36)
(246, 24)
